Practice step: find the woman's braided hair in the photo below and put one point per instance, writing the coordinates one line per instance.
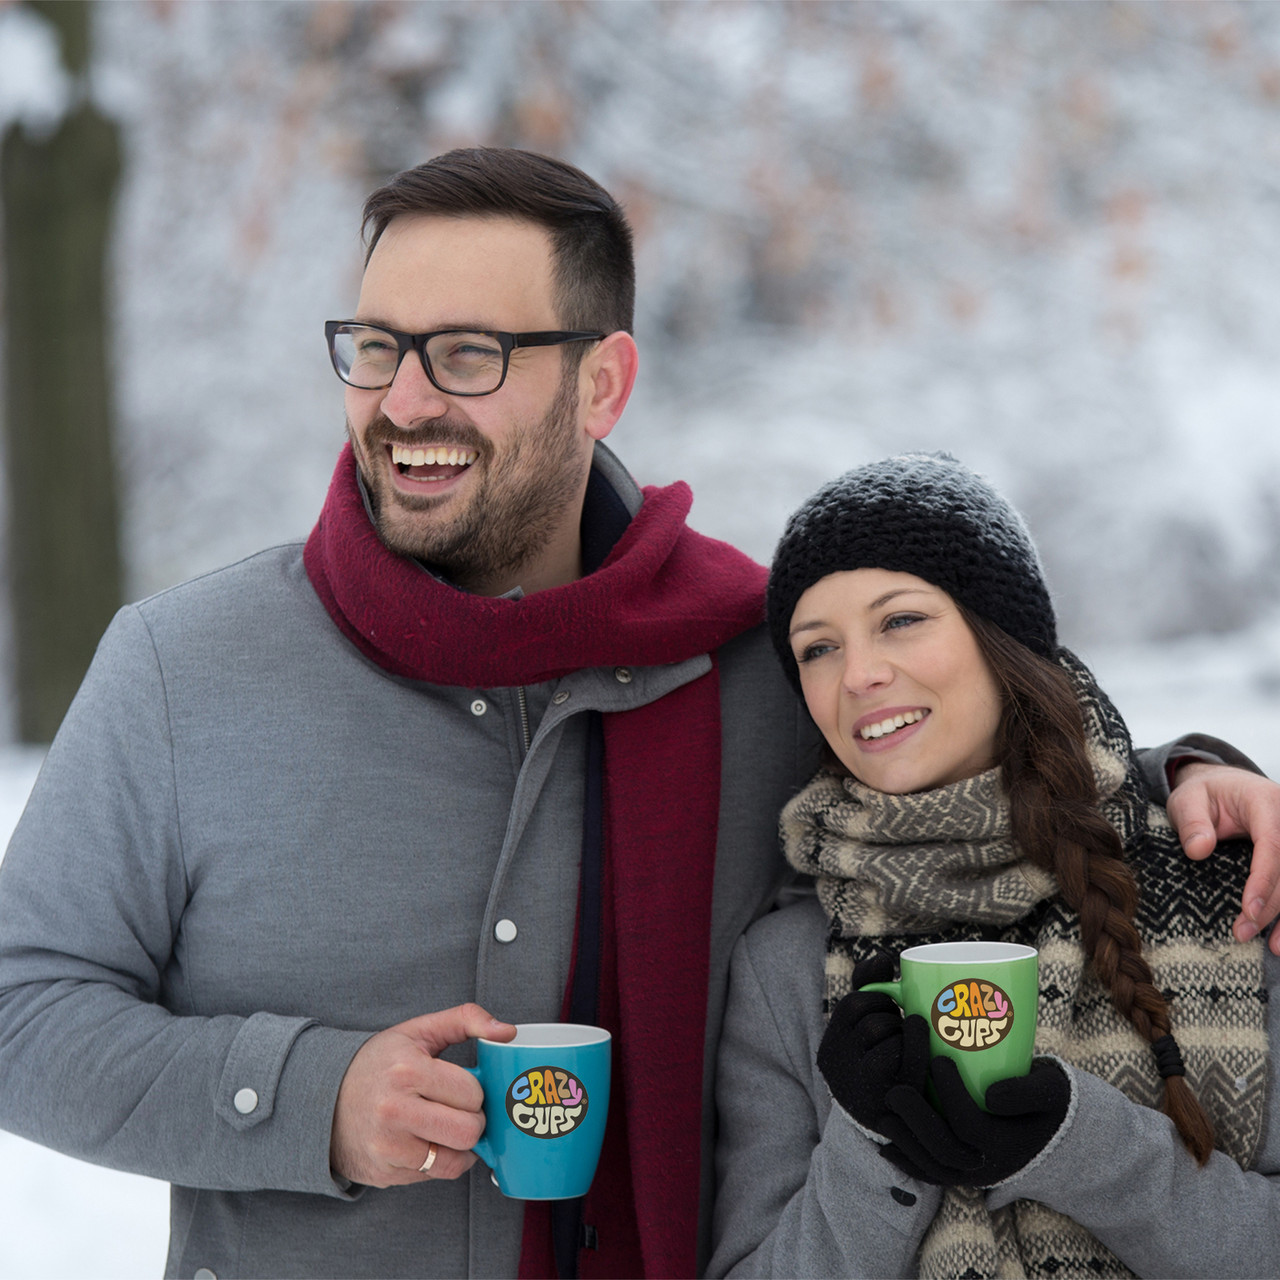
(1056, 820)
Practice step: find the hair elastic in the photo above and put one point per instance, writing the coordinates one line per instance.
(1168, 1057)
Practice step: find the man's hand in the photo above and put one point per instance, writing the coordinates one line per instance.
(1212, 802)
(398, 1097)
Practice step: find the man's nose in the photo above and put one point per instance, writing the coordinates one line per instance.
(412, 397)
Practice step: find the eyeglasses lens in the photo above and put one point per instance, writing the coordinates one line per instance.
(468, 363)
(365, 357)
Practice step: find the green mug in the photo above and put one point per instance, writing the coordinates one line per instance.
(980, 1001)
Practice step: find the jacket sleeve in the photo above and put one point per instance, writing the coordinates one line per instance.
(1120, 1169)
(92, 892)
(1155, 761)
(801, 1190)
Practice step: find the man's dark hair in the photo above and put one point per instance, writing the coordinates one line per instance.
(594, 269)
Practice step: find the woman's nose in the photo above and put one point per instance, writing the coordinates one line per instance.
(865, 671)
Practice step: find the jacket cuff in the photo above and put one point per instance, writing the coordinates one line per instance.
(1160, 763)
(279, 1088)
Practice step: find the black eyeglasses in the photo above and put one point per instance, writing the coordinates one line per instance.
(458, 363)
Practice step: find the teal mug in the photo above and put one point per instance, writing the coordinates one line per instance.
(546, 1098)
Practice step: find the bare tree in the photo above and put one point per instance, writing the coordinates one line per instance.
(58, 193)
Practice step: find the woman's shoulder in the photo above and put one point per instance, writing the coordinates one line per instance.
(798, 926)
(1179, 895)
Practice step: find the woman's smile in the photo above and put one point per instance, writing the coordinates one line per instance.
(883, 729)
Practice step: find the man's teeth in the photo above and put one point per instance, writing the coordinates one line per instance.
(888, 726)
(441, 456)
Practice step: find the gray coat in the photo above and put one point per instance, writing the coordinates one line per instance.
(804, 1191)
(249, 848)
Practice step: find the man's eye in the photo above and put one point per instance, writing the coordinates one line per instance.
(470, 350)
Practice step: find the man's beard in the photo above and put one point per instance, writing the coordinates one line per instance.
(516, 507)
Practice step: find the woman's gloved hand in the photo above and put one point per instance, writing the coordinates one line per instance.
(868, 1049)
(965, 1146)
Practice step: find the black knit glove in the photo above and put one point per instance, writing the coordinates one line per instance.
(966, 1146)
(868, 1049)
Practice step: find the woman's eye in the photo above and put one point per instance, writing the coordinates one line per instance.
(811, 651)
(896, 621)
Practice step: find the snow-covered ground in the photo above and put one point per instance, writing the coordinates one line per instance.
(64, 1218)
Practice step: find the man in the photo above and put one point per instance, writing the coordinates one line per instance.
(318, 819)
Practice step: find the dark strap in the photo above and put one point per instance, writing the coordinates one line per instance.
(568, 1232)
(584, 999)
(1168, 1057)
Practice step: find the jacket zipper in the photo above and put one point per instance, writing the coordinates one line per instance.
(524, 717)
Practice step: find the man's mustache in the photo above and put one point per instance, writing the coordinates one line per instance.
(381, 430)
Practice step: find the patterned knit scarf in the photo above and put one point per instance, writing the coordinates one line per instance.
(894, 871)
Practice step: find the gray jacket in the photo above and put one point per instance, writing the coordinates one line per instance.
(249, 848)
(804, 1191)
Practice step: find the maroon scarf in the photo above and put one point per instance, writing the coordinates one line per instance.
(663, 594)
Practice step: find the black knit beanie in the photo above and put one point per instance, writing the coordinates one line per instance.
(920, 513)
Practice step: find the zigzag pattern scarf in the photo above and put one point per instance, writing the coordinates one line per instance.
(894, 871)
(663, 594)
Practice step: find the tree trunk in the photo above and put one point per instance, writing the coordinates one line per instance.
(57, 196)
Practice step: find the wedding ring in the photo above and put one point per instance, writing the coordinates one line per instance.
(432, 1152)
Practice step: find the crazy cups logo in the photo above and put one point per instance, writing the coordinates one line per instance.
(546, 1102)
(972, 1014)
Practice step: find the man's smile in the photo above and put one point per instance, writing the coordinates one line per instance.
(432, 464)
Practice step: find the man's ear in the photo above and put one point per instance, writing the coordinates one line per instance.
(605, 379)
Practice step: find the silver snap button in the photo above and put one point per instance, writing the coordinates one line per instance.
(561, 697)
(622, 675)
(493, 1177)
(505, 931)
(205, 1274)
(245, 1101)
(479, 707)
(1241, 1084)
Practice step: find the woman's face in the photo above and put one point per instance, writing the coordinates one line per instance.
(893, 677)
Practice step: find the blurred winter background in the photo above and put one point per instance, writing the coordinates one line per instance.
(1043, 236)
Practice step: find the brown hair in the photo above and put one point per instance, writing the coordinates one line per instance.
(595, 279)
(1056, 820)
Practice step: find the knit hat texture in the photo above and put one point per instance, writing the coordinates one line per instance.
(921, 513)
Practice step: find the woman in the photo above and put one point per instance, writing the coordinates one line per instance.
(980, 785)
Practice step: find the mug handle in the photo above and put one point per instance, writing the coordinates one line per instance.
(482, 1147)
(893, 989)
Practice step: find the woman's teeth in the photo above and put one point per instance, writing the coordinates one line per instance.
(889, 725)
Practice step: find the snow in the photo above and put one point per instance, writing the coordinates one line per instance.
(34, 88)
(64, 1218)
(1039, 237)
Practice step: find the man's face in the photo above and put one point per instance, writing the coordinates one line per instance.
(487, 488)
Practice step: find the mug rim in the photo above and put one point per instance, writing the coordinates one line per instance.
(968, 952)
(552, 1035)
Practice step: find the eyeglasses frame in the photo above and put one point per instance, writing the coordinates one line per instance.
(406, 342)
